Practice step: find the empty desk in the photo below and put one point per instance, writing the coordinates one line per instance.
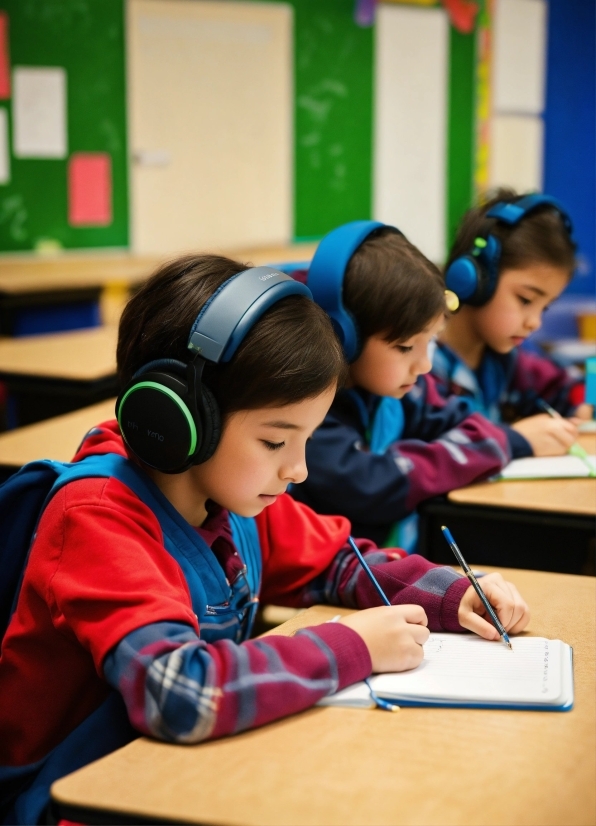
(55, 373)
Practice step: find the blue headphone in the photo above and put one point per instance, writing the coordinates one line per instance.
(168, 417)
(326, 277)
(473, 276)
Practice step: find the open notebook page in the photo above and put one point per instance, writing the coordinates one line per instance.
(547, 467)
(461, 668)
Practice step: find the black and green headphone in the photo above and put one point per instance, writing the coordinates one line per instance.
(168, 417)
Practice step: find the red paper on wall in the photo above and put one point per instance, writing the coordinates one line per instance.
(90, 189)
(4, 58)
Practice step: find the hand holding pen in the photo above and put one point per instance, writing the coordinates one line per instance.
(548, 433)
(492, 608)
(575, 449)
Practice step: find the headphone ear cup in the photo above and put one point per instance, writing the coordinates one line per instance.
(462, 277)
(346, 330)
(211, 421)
(156, 421)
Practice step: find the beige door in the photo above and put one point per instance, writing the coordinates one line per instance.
(210, 121)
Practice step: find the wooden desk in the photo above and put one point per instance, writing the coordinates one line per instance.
(56, 438)
(53, 374)
(543, 523)
(33, 274)
(346, 766)
(66, 278)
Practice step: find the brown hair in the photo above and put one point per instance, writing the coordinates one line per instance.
(539, 238)
(391, 288)
(290, 354)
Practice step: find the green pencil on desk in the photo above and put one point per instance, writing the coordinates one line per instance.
(575, 449)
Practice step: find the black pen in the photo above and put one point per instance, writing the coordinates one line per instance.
(474, 582)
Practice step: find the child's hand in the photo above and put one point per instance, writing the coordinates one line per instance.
(547, 436)
(584, 412)
(504, 598)
(394, 635)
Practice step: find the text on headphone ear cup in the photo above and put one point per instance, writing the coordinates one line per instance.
(156, 422)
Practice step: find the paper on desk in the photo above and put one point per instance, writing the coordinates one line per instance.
(548, 467)
(466, 670)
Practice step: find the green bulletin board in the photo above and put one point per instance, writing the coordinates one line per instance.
(86, 38)
(333, 131)
(333, 77)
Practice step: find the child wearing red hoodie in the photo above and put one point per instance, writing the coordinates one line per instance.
(137, 601)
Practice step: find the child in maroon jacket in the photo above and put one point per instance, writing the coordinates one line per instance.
(390, 440)
(135, 610)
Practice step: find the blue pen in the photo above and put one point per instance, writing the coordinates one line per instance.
(474, 582)
(379, 701)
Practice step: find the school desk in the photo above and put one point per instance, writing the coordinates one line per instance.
(32, 285)
(56, 438)
(351, 766)
(31, 281)
(546, 524)
(58, 372)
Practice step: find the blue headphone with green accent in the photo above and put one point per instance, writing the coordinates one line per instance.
(473, 276)
(168, 417)
(326, 273)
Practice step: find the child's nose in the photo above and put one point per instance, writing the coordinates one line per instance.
(294, 472)
(534, 321)
(423, 364)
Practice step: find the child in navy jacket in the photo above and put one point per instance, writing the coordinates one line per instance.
(136, 605)
(390, 440)
(511, 258)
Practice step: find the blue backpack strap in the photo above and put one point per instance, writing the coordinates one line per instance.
(246, 539)
(23, 498)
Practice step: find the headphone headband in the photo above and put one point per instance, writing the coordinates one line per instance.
(512, 212)
(235, 307)
(326, 276)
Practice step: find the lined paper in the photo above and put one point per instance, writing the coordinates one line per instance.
(461, 667)
(467, 670)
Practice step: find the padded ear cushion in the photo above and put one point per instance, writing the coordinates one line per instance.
(346, 330)
(211, 422)
(156, 421)
(473, 277)
(462, 277)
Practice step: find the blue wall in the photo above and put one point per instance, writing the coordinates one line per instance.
(570, 126)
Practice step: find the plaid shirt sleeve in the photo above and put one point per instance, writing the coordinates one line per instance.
(404, 580)
(178, 688)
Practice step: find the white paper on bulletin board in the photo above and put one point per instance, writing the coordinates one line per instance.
(39, 112)
(4, 149)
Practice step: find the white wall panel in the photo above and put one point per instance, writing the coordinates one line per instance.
(519, 56)
(210, 124)
(411, 75)
(516, 154)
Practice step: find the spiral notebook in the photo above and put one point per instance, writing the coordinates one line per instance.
(467, 671)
